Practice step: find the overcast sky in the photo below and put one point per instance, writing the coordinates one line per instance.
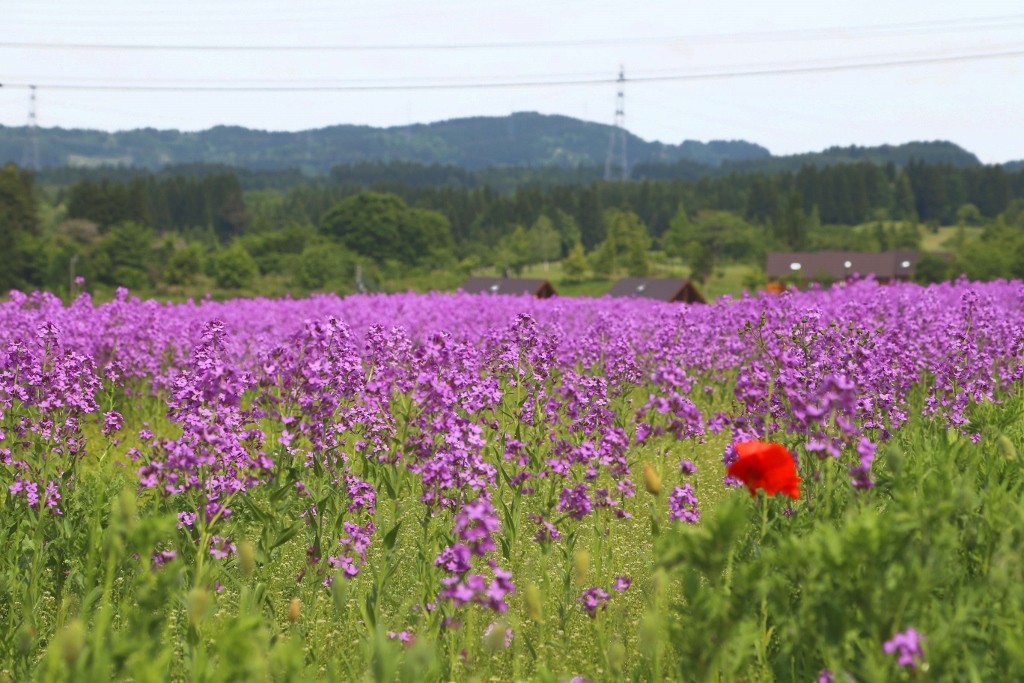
(953, 70)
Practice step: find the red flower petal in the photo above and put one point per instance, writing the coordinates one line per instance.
(768, 466)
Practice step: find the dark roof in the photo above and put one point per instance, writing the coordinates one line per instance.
(839, 265)
(660, 289)
(541, 289)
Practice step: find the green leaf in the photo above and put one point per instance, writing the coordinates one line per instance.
(392, 536)
(287, 535)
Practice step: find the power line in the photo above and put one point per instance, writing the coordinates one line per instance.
(1004, 22)
(228, 86)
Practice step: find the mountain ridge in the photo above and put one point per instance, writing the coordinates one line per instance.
(523, 139)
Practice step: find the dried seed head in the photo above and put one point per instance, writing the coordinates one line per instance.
(294, 610)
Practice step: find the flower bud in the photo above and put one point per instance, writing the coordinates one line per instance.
(1006, 447)
(652, 482)
(294, 610)
(616, 657)
(497, 636)
(580, 566)
(246, 559)
(659, 585)
(73, 641)
(197, 600)
(534, 603)
(126, 511)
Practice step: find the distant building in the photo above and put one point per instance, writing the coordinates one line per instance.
(541, 289)
(659, 289)
(837, 266)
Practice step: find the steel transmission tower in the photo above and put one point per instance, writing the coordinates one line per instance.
(615, 165)
(30, 155)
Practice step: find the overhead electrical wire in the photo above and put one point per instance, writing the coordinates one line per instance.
(230, 86)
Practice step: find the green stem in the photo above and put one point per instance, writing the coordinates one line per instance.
(763, 649)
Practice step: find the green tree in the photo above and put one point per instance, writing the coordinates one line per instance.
(545, 241)
(382, 227)
(791, 223)
(574, 266)
(234, 267)
(370, 224)
(968, 214)
(625, 247)
(932, 268)
(322, 265)
(905, 203)
(700, 257)
(513, 252)
(680, 231)
(19, 228)
(728, 237)
(125, 256)
(183, 265)
(568, 230)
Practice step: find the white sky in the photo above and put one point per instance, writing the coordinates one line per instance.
(976, 103)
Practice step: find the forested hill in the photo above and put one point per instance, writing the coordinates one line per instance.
(522, 139)
(937, 152)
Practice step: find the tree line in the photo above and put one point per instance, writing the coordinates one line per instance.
(382, 221)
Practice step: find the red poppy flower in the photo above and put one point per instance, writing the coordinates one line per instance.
(768, 466)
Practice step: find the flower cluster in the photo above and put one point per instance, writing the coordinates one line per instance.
(474, 527)
(907, 645)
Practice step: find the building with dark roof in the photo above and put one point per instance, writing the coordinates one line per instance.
(541, 289)
(659, 289)
(835, 266)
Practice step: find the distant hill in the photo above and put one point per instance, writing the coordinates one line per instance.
(938, 152)
(522, 139)
(1014, 165)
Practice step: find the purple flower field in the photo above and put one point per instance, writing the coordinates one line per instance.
(434, 465)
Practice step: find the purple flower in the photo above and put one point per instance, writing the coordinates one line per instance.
(907, 645)
(575, 501)
(112, 422)
(221, 547)
(455, 559)
(404, 636)
(162, 557)
(622, 583)
(475, 523)
(593, 599)
(546, 531)
(682, 504)
(861, 474)
(687, 467)
(345, 564)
